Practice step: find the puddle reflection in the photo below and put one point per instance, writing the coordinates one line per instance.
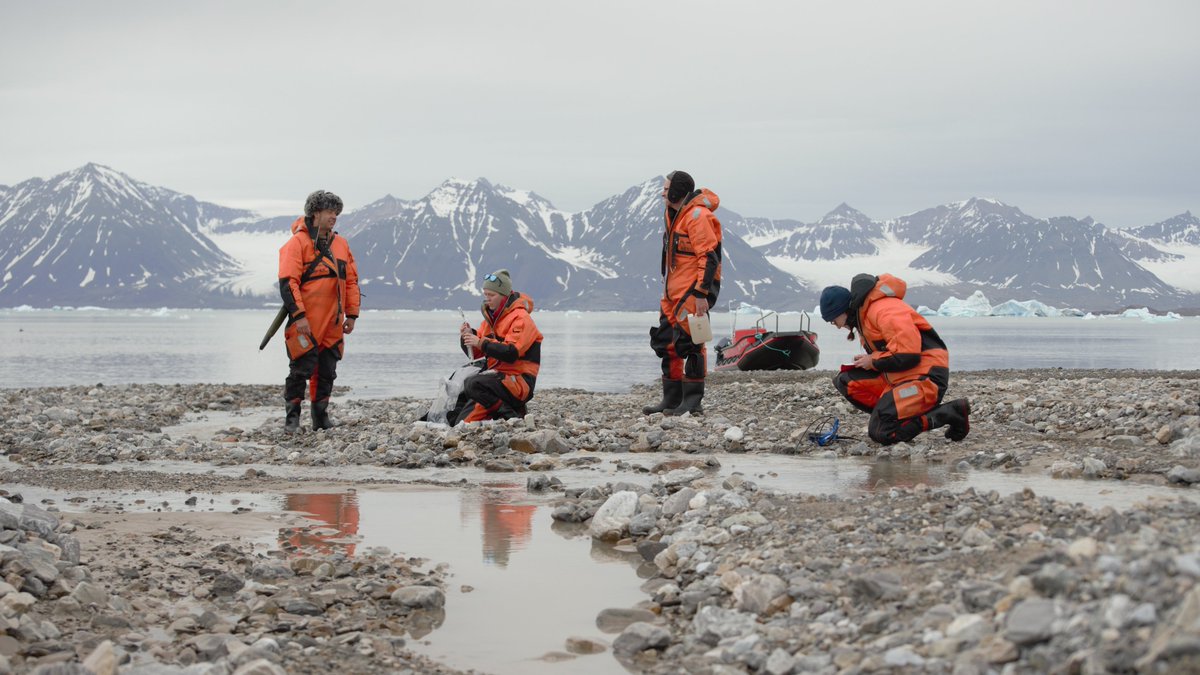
(505, 525)
(338, 511)
(886, 474)
(520, 585)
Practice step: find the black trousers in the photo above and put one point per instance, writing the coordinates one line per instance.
(319, 362)
(682, 359)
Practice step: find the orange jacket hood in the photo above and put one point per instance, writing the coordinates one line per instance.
(703, 197)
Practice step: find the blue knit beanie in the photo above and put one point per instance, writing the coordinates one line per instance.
(835, 301)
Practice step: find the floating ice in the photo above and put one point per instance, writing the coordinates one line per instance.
(976, 305)
(746, 308)
(1024, 308)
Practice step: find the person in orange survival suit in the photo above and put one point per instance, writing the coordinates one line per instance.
(691, 267)
(319, 284)
(905, 370)
(513, 347)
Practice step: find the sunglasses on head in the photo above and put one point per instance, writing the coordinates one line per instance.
(491, 277)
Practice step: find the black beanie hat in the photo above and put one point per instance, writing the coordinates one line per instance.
(681, 185)
(835, 301)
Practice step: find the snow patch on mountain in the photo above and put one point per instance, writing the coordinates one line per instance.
(1182, 272)
(257, 253)
(894, 257)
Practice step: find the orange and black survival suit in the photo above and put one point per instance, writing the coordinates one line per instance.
(903, 387)
(512, 345)
(318, 281)
(691, 269)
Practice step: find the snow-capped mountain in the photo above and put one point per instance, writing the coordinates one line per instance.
(1062, 259)
(433, 252)
(1182, 229)
(986, 245)
(759, 232)
(842, 232)
(95, 236)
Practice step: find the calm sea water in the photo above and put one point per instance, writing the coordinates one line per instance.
(402, 353)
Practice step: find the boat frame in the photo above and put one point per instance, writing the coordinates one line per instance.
(760, 349)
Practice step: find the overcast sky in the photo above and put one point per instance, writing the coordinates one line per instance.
(785, 109)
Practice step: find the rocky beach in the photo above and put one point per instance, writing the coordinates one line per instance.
(900, 576)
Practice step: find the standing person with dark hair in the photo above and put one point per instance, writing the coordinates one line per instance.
(319, 284)
(903, 374)
(691, 267)
(510, 341)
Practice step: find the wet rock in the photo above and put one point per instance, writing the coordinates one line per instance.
(612, 519)
(649, 549)
(422, 597)
(616, 620)
(545, 441)
(639, 637)
(582, 645)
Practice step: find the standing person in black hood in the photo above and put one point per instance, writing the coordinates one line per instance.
(691, 269)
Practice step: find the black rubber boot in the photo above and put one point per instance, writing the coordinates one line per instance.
(954, 414)
(672, 397)
(320, 415)
(291, 423)
(693, 393)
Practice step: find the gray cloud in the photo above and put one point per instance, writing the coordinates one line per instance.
(784, 108)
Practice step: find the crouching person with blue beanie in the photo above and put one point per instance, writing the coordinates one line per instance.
(904, 372)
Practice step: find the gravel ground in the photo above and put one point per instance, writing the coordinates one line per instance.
(743, 580)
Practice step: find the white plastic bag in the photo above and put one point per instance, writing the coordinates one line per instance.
(451, 388)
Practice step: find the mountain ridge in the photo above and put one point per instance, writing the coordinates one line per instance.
(430, 252)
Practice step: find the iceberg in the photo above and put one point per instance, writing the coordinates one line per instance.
(976, 305)
(747, 308)
(1024, 308)
(1146, 315)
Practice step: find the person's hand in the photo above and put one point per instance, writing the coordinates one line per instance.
(303, 328)
(464, 329)
(701, 306)
(864, 361)
(472, 340)
(348, 326)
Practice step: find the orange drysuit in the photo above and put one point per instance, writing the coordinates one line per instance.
(322, 288)
(691, 268)
(513, 347)
(911, 364)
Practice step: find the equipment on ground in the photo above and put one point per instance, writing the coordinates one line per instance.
(824, 432)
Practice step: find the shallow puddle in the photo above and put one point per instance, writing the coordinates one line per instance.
(519, 585)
